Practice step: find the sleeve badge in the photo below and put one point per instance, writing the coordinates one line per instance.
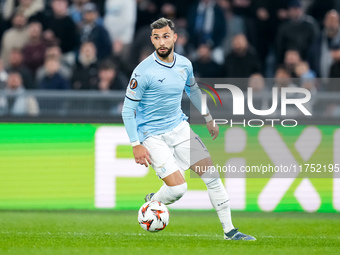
(133, 83)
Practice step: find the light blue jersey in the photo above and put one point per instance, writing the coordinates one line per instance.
(155, 92)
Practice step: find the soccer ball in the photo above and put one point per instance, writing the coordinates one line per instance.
(153, 216)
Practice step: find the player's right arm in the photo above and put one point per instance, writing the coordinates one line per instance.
(134, 93)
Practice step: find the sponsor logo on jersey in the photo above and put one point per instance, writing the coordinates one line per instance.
(183, 74)
(130, 92)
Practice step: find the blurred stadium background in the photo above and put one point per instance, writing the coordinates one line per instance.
(64, 67)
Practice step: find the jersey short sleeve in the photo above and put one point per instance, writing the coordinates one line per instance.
(137, 85)
(190, 82)
(191, 78)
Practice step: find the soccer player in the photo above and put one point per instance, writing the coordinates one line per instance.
(158, 129)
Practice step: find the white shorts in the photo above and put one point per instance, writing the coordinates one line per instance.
(175, 150)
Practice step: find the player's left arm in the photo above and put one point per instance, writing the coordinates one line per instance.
(213, 129)
(195, 95)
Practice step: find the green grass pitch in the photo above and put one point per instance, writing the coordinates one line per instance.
(189, 232)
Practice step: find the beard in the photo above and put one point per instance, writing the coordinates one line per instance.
(164, 54)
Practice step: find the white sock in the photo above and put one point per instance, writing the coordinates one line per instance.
(170, 194)
(219, 200)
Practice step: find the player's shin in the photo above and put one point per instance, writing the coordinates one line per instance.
(170, 194)
(219, 198)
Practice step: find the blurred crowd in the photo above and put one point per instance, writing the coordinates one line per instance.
(95, 45)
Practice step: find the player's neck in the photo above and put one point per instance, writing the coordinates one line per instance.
(168, 59)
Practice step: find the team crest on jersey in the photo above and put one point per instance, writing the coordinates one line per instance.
(133, 83)
(183, 74)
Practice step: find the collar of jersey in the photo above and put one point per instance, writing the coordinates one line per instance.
(169, 65)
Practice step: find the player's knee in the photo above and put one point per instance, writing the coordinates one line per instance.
(178, 191)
